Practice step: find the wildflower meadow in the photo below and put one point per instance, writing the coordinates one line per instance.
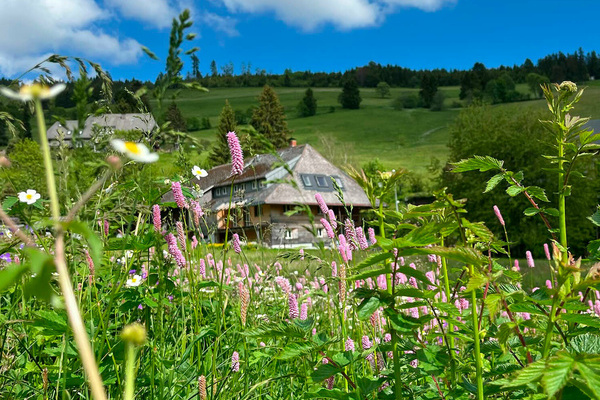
(117, 293)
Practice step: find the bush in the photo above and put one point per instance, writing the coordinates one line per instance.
(193, 124)
(26, 170)
(205, 123)
(437, 103)
(350, 96)
(407, 100)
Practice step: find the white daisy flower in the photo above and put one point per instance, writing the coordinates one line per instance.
(29, 197)
(199, 172)
(135, 280)
(136, 151)
(34, 91)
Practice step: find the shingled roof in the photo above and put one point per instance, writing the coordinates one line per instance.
(303, 159)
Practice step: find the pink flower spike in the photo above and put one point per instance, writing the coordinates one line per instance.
(328, 228)
(499, 215)
(236, 243)
(178, 195)
(156, 217)
(293, 305)
(237, 156)
(547, 251)
(529, 259)
(372, 236)
(349, 345)
(322, 204)
(235, 361)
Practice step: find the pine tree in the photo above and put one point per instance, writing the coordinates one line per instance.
(350, 96)
(308, 105)
(220, 151)
(269, 118)
(175, 117)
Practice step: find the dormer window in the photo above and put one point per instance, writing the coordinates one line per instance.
(321, 181)
(338, 181)
(306, 180)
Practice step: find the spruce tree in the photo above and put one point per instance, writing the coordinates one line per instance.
(175, 117)
(269, 118)
(308, 104)
(350, 96)
(220, 151)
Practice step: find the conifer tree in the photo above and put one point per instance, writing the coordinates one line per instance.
(350, 96)
(175, 117)
(269, 118)
(308, 105)
(220, 151)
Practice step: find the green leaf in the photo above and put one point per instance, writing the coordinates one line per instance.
(41, 266)
(476, 281)
(588, 369)
(368, 307)
(531, 211)
(557, 372)
(149, 53)
(297, 350)
(595, 218)
(51, 323)
(10, 275)
(514, 190)
(96, 247)
(330, 394)
(373, 259)
(477, 163)
(538, 193)
(272, 330)
(585, 344)
(9, 202)
(530, 374)
(324, 371)
(493, 182)
(583, 319)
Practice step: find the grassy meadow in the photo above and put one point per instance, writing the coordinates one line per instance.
(407, 138)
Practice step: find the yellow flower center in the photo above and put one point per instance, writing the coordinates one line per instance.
(36, 90)
(132, 147)
(29, 197)
(133, 280)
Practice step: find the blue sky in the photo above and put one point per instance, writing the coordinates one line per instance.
(316, 35)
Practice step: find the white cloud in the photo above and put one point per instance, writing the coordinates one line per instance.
(30, 29)
(156, 12)
(343, 14)
(219, 23)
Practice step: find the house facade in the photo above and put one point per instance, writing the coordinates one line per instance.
(70, 134)
(265, 203)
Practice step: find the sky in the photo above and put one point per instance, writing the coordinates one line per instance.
(315, 35)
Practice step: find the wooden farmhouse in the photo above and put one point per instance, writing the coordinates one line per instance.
(270, 188)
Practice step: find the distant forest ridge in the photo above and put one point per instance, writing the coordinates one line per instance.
(557, 67)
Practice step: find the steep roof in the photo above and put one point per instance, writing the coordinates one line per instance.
(301, 160)
(120, 122)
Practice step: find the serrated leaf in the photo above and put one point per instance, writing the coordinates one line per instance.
(480, 163)
(530, 374)
(595, 218)
(583, 319)
(531, 211)
(373, 259)
(493, 182)
(588, 368)
(10, 275)
(324, 371)
(514, 190)
(9, 202)
(538, 193)
(557, 372)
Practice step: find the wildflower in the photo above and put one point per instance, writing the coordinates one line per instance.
(350, 234)
(301, 253)
(342, 287)
(568, 87)
(235, 361)
(202, 387)
(106, 226)
(198, 213)
(199, 172)
(244, 302)
(304, 312)
(35, 91)
(174, 250)
(333, 269)
(4, 162)
(498, 215)
(322, 204)
(349, 345)
(547, 251)
(29, 197)
(329, 381)
(529, 259)
(135, 280)
(236, 243)
(194, 242)
(136, 151)
(134, 333)
(178, 195)
(5, 257)
(90, 266)
(328, 228)
(372, 236)
(180, 235)
(362, 240)
(237, 156)
(332, 219)
(293, 306)
(156, 217)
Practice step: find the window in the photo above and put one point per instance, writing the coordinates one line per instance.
(320, 232)
(291, 234)
(321, 181)
(306, 180)
(287, 207)
(247, 220)
(338, 181)
(258, 210)
(262, 184)
(217, 192)
(254, 185)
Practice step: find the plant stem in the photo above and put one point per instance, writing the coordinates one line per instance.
(129, 372)
(79, 333)
(478, 366)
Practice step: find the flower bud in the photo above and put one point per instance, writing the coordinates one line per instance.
(4, 162)
(114, 161)
(134, 333)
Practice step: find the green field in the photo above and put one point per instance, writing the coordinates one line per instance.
(409, 138)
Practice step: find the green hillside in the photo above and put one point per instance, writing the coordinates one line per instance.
(408, 138)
